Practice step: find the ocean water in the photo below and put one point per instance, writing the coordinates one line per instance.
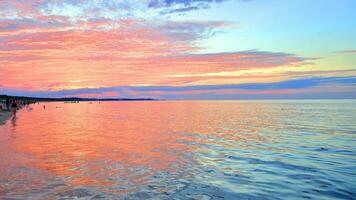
(295, 149)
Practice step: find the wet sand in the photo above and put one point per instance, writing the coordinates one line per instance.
(4, 115)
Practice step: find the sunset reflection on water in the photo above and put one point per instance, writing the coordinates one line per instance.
(167, 149)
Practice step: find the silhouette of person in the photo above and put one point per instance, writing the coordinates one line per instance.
(13, 120)
(7, 104)
(14, 106)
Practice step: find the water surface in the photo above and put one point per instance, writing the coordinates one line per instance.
(181, 150)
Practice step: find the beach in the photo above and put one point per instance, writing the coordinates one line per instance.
(6, 107)
(4, 115)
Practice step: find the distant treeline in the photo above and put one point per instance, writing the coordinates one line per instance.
(38, 99)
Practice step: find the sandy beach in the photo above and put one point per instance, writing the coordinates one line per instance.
(4, 115)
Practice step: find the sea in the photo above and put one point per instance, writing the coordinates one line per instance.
(258, 149)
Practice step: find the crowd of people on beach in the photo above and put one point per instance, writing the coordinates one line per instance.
(12, 105)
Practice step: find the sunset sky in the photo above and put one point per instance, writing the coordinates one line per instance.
(178, 49)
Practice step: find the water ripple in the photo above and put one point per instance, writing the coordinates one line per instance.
(181, 150)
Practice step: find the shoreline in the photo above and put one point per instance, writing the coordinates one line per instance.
(4, 116)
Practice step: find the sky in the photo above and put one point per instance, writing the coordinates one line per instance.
(178, 49)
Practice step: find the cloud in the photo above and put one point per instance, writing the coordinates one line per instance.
(308, 87)
(182, 10)
(289, 84)
(108, 46)
(101, 34)
(11, 26)
(103, 67)
(79, 10)
(347, 52)
(181, 6)
(50, 48)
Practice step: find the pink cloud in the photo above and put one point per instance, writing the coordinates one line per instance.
(136, 52)
(100, 95)
(47, 52)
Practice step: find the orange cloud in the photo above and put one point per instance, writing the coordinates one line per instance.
(48, 52)
(100, 95)
(49, 60)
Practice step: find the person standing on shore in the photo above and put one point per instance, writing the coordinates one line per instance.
(14, 106)
(7, 103)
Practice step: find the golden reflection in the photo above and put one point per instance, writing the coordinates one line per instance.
(123, 143)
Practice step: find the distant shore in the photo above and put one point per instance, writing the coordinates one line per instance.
(5, 114)
(70, 99)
